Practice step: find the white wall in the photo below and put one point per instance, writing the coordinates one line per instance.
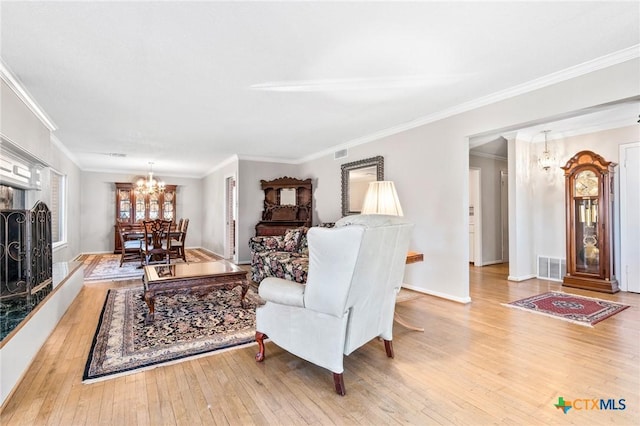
(213, 207)
(98, 211)
(549, 187)
(21, 126)
(430, 163)
(522, 263)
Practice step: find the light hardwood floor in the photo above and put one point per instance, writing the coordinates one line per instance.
(479, 363)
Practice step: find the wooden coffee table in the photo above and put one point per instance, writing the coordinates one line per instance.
(194, 278)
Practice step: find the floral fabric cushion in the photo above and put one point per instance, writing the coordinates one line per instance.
(292, 239)
(285, 256)
(280, 264)
(266, 243)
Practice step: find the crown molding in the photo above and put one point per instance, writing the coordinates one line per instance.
(270, 159)
(14, 84)
(233, 158)
(141, 173)
(487, 155)
(606, 61)
(65, 150)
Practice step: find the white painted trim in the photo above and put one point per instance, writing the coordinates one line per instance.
(64, 149)
(464, 300)
(270, 159)
(14, 84)
(522, 278)
(492, 262)
(143, 173)
(225, 207)
(207, 250)
(623, 280)
(487, 155)
(229, 160)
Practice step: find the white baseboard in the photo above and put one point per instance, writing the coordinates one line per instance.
(207, 250)
(464, 300)
(492, 262)
(522, 278)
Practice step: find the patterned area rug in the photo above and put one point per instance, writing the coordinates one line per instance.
(185, 327)
(569, 307)
(106, 267)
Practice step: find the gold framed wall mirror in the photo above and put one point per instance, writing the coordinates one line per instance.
(356, 177)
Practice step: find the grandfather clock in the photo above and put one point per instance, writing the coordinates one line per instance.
(589, 199)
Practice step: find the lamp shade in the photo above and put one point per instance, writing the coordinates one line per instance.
(382, 198)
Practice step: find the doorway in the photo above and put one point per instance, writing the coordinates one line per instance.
(230, 218)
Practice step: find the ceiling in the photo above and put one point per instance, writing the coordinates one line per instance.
(187, 85)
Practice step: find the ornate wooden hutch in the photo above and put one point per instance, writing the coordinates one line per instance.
(132, 207)
(589, 215)
(287, 204)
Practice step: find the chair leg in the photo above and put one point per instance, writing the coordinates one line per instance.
(260, 339)
(338, 381)
(388, 346)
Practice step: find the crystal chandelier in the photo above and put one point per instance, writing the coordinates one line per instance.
(546, 160)
(149, 185)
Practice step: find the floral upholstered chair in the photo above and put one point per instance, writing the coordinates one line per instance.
(283, 256)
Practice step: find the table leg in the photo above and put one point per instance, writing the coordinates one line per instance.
(150, 299)
(245, 289)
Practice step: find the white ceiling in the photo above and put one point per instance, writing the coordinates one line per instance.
(189, 84)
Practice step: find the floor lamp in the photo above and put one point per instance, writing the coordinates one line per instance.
(382, 198)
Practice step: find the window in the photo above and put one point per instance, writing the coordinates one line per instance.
(58, 208)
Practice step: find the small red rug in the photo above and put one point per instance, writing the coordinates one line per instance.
(569, 307)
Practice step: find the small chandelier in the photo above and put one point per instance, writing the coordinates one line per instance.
(149, 185)
(546, 160)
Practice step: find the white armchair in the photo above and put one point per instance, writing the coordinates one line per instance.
(355, 272)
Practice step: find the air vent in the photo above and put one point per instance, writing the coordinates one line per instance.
(551, 268)
(340, 154)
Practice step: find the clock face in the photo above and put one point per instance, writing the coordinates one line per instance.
(586, 184)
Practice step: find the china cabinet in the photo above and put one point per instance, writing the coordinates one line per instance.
(589, 222)
(287, 204)
(132, 207)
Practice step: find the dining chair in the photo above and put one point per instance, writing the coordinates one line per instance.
(131, 249)
(177, 244)
(179, 225)
(157, 242)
